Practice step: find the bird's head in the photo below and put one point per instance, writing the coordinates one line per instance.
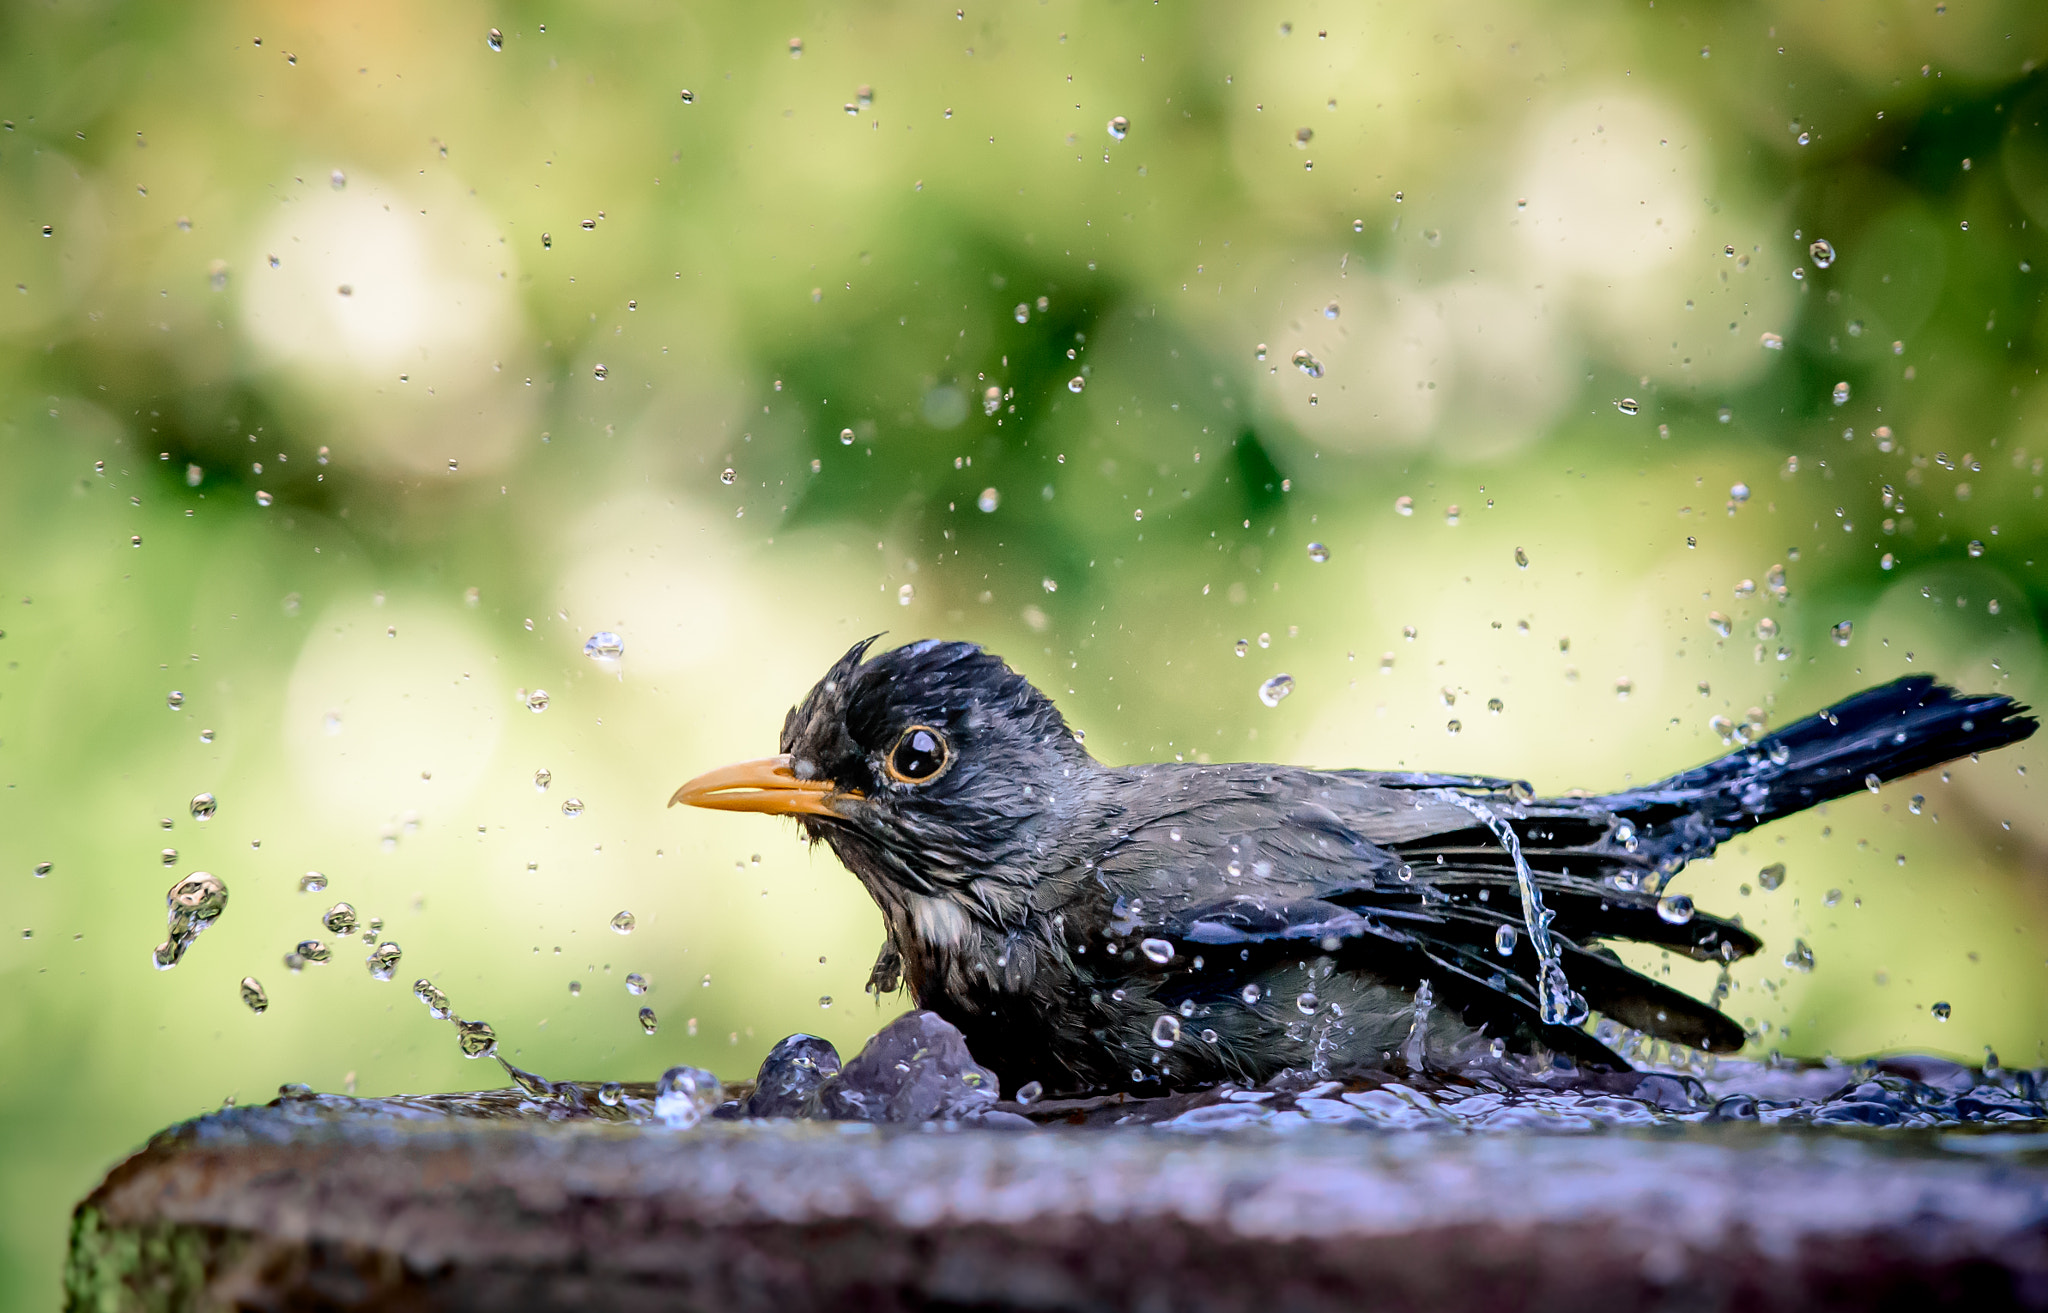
(925, 766)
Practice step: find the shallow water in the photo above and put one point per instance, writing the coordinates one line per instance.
(1905, 1092)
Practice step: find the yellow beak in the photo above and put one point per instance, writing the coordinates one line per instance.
(767, 785)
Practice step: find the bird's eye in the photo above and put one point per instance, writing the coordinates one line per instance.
(919, 755)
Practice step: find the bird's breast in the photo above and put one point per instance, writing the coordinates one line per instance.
(939, 923)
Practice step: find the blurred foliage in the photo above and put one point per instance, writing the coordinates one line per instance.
(354, 370)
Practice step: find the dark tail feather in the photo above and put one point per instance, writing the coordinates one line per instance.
(1880, 734)
(1643, 1004)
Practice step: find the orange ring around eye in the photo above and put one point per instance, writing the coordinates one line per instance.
(937, 751)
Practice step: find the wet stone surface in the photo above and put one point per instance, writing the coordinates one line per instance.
(902, 1179)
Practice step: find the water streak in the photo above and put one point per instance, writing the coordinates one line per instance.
(1560, 1006)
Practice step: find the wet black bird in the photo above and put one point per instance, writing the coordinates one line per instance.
(1164, 926)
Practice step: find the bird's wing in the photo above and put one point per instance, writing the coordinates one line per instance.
(1408, 875)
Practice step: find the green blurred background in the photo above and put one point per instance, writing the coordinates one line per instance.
(358, 362)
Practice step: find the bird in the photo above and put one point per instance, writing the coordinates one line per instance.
(1156, 928)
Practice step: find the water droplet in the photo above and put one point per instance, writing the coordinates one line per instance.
(337, 179)
(42, 869)
(1822, 251)
(1941, 1011)
(1495, 705)
(1773, 342)
(312, 882)
(1976, 547)
(1276, 688)
(1521, 559)
(575, 989)
(253, 996)
(203, 806)
(1166, 1030)
(1306, 1003)
(572, 806)
(1318, 553)
(1766, 629)
(477, 1038)
(598, 372)
(647, 1021)
(604, 645)
(1454, 726)
(383, 963)
(1250, 993)
(1030, 1092)
(1623, 687)
(846, 437)
(1156, 951)
(624, 923)
(685, 1096)
(311, 950)
(689, 96)
(726, 476)
(1504, 940)
(427, 992)
(541, 779)
(1841, 394)
(1675, 908)
(1404, 506)
(1022, 314)
(1628, 406)
(905, 595)
(339, 919)
(193, 904)
(1308, 364)
(1076, 383)
(537, 701)
(1720, 623)
(174, 699)
(636, 984)
(495, 39)
(1119, 127)
(1871, 782)
(1771, 876)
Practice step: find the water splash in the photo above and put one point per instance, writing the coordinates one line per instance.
(1560, 1006)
